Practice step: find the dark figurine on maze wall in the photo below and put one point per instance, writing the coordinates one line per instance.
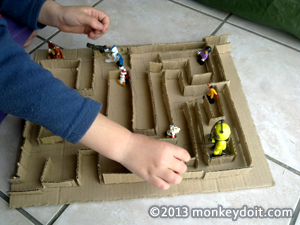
(54, 52)
(219, 135)
(113, 56)
(203, 55)
(101, 48)
(211, 94)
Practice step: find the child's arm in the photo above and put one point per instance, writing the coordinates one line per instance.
(75, 19)
(155, 161)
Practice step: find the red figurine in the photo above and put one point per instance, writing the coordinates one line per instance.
(54, 52)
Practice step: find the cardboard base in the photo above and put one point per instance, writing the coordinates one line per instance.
(166, 87)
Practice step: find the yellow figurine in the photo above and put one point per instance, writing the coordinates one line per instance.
(211, 94)
(219, 136)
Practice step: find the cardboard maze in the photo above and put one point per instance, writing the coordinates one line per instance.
(167, 87)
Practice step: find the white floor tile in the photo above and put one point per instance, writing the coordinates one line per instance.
(11, 217)
(76, 2)
(203, 8)
(270, 78)
(283, 195)
(36, 41)
(44, 214)
(47, 31)
(272, 33)
(146, 22)
(10, 134)
(298, 221)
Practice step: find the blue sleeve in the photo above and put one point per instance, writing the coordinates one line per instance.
(23, 11)
(32, 93)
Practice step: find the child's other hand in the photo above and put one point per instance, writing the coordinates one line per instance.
(157, 162)
(75, 19)
(83, 19)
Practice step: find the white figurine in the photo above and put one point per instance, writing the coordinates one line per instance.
(122, 79)
(171, 133)
(114, 56)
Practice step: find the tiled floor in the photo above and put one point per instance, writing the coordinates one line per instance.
(268, 62)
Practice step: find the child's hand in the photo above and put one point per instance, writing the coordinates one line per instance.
(83, 19)
(157, 162)
(75, 19)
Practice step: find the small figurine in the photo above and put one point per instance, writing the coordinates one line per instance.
(171, 133)
(219, 135)
(114, 56)
(54, 52)
(101, 48)
(124, 77)
(211, 94)
(203, 55)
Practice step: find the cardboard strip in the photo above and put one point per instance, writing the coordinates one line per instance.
(27, 130)
(201, 132)
(22, 165)
(223, 48)
(80, 154)
(28, 192)
(166, 97)
(188, 108)
(153, 104)
(167, 56)
(203, 78)
(166, 47)
(226, 173)
(48, 183)
(215, 40)
(46, 137)
(155, 67)
(237, 123)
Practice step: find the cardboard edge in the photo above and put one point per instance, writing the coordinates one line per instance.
(187, 108)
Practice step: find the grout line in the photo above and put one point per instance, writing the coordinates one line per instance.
(21, 210)
(44, 42)
(57, 32)
(4, 197)
(178, 3)
(39, 37)
(28, 216)
(95, 4)
(221, 24)
(36, 48)
(296, 214)
(270, 39)
(282, 164)
(58, 214)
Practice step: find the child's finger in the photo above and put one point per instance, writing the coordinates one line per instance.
(92, 22)
(159, 183)
(104, 19)
(182, 154)
(95, 34)
(178, 166)
(170, 176)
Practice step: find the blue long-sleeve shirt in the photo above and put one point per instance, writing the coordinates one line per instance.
(31, 92)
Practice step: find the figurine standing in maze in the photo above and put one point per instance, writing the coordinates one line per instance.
(171, 133)
(203, 55)
(219, 135)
